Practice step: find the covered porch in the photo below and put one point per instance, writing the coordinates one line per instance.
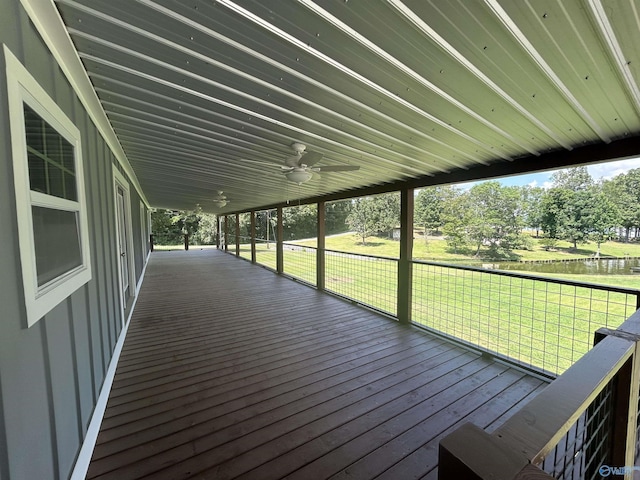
(230, 371)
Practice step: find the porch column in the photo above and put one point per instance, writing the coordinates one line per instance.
(279, 245)
(405, 268)
(226, 233)
(216, 232)
(237, 234)
(253, 235)
(320, 263)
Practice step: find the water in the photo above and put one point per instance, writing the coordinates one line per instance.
(616, 266)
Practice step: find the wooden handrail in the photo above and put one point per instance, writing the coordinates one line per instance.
(537, 428)
(530, 434)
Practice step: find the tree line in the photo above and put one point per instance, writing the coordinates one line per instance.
(488, 218)
(576, 208)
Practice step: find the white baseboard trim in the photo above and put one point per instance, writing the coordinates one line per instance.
(86, 451)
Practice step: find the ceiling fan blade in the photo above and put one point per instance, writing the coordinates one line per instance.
(311, 158)
(293, 160)
(337, 168)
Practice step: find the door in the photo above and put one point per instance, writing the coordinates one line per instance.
(123, 242)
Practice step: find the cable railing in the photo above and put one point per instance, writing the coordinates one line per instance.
(231, 242)
(545, 323)
(245, 247)
(266, 253)
(586, 446)
(367, 279)
(300, 262)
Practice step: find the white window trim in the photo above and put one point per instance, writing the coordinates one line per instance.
(23, 88)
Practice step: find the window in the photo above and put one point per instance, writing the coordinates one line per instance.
(49, 188)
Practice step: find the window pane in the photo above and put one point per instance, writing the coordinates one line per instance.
(54, 173)
(57, 242)
(34, 128)
(70, 187)
(37, 174)
(56, 181)
(68, 160)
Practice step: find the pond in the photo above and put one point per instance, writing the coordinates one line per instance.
(606, 266)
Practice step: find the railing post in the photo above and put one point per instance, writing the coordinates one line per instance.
(216, 232)
(237, 234)
(405, 268)
(473, 454)
(279, 244)
(320, 253)
(253, 236)
(151, 242)
(186, 241)
(226, 233)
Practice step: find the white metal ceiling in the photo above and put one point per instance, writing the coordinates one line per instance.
(209, 95)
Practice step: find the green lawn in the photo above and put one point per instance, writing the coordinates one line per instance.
(436, 249)
(540, 323)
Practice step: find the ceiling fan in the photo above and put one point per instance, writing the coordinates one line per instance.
(221, 199)
(299, 168)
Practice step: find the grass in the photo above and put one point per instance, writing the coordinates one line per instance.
(537, 323)
(436, 248)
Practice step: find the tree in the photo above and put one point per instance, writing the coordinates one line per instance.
(567, 206)
(604, 217)
(336, 214)
(374, 215)
(266, 221)
(496, 218)
(624, 192)
(429, 207)
(300, 222)
(169, 226)
(456, 218)
(552, 215)
(532, 207)
(387, 211)
(574, 179)
(204, 232)
(362, 218)
(165, 232)
(245, 226)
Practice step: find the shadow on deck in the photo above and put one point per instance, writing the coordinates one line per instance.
(230, 371)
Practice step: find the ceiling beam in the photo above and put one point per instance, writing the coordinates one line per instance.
(587, 154)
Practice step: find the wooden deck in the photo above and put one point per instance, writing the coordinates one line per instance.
(229, 371)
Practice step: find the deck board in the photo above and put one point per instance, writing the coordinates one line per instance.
(230, 371)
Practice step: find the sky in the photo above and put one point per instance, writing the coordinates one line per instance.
(605, 170)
